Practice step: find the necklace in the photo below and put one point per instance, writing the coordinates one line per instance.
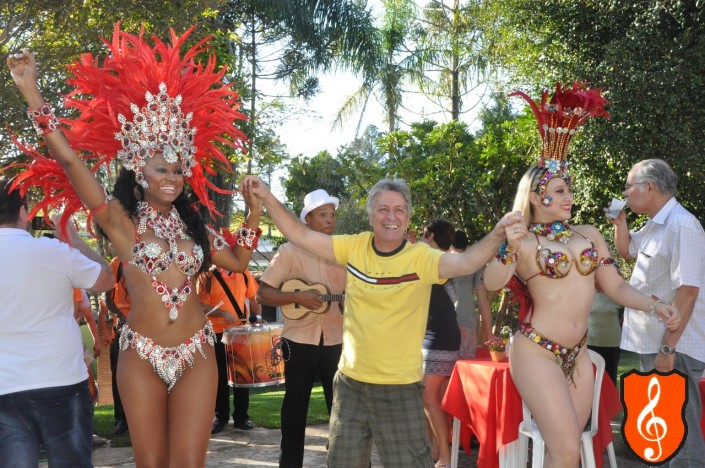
(556, 230)
(167, 227)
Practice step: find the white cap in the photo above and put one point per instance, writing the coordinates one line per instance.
(315, 199)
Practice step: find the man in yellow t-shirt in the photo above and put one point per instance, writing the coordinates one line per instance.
(378, 390)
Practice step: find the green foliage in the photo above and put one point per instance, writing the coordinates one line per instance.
(649, 55)
(327, 173)
(468, 179)
(305, 175)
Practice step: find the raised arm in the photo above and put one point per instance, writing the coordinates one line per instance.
(294, 230)
(238, 258)
(622, 238)
(478, 254)
(23, 69)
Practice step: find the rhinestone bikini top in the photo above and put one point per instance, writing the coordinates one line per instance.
(557, 265)
(150, 257)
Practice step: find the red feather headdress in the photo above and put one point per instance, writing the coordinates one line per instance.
(141, 99)
(559, 119)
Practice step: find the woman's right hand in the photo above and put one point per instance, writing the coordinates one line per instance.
(621, 218)
(23, 68)
(515, 234)
(669, 314)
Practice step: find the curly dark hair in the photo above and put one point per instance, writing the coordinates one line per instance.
(124, 191)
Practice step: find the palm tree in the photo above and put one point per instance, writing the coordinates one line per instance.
(391, 65)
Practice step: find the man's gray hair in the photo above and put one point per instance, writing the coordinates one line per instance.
(659, 173)
(393, 185)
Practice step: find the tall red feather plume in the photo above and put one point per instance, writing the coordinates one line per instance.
(101, 92)
(566, 110)
(49, 176)
(131, 68)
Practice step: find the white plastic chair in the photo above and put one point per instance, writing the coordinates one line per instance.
(529, 430)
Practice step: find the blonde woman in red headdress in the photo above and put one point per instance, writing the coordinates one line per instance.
(160, 114)
(559, 264)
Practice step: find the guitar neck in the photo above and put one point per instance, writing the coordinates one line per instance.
(332, 297)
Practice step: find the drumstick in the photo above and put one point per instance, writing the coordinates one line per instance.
(214, 308)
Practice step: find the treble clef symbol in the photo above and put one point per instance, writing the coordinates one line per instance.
(655, 427)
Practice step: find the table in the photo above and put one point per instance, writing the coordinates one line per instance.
(482, 397)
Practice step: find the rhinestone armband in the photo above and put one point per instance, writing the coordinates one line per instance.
(506, 254)
(247, 237)
(43, 119)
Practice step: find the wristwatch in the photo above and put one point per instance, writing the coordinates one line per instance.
(666, 349)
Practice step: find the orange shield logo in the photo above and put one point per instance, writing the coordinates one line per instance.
(654, 425)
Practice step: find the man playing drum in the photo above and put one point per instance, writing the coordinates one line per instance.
(213, 288)
(311, 344)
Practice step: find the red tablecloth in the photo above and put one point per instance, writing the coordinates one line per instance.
(482, 395)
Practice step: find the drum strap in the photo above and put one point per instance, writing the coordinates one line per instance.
(219, 277)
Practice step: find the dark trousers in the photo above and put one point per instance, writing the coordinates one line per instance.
(59, 418)
(119, 412)
(302, 363)
(241, 395)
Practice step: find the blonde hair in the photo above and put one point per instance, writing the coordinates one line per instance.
(528, 183)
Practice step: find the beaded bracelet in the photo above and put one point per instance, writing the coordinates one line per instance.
(44, 119)
(506, 254)
(247, 237)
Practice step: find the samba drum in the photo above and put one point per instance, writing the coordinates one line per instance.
(254, 355)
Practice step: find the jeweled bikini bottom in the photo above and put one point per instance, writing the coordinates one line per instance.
(168, 362)
(566, 358)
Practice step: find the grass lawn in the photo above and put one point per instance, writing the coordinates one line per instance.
(265, 406)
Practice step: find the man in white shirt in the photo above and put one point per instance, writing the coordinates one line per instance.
(670, 264)
(44, 395)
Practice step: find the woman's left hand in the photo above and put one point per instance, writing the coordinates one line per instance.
(670, 315)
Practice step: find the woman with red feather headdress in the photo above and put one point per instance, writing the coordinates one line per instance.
(167, 118)
(553, 267)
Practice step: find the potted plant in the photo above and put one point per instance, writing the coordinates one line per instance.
(498, 346)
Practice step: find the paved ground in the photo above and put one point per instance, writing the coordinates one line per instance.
(259, 448)
(232, 447)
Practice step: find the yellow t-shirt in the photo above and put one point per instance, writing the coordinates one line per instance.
(386, 308)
